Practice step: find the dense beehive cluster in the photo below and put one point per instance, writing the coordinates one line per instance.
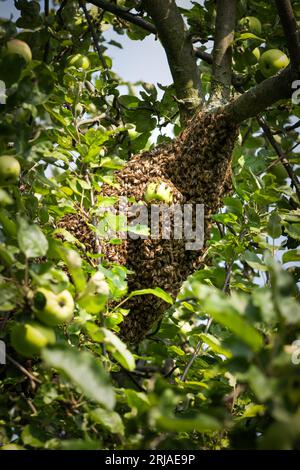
(197, 167)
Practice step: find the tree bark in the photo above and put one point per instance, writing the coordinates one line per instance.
(178, 47)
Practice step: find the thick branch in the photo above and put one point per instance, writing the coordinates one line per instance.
(137, 20)
(179, 50)
(257, 99)
(291, 32)
(222, 53)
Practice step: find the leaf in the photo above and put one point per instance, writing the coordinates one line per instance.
(84, 371)
(200, 423)
(293, 230)
(216, 304)
(118, 349)
(158, 292)
(31, 437)
(254, 261)
(110, 420)
(31, 239)
(290, 256)
(274, 225)
(215, 344)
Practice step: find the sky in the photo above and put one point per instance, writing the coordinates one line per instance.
(137, 61)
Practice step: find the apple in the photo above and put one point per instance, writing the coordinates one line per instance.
(94, 297)
(29, 338)
(251, 24)
(5, 199)
(53, 309)
(16, 46)
(79, 61)
(158, 192)
(272, 61)
(10, 170)
(251, 57)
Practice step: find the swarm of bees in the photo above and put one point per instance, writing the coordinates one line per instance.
(197, 169)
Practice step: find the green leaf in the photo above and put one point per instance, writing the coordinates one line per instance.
(118, 349)
(290, 256)
(219, 307)
(274, 225)
(254, 261)
(215, 344)
(85, 372)
(31, 239)
(158, 292)
(199, 423)
(293, 230)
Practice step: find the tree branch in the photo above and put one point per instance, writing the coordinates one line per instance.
(222, 53)
(290, 28)
(125, 14)
(180, 55)
(260, 97)
(280, 153)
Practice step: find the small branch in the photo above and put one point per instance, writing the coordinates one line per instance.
(94, 37)
(259, 98)
(288, 128)
(23, 370)
(290, 28)
(179, 50)
(203, 56)
(281, 155)
(125, 15)
(222, 53)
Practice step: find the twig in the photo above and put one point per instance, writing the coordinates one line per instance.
(23, 370)
(94, 37)
(60, 10)
(290, 28)
(281, 154)
(47, 45)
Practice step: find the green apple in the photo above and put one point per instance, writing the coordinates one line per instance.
(29, 338)
(79, 61)
(5, 199)
(158, 192)
(94, 297)
(10, 170)
(16, 46)
(53, 309)
(251, 24)
(272, 61)
(251, 57)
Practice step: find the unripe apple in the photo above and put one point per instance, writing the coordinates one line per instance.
(5, 199)
(272, 61)
(53, 309)
(251, 24)
(16, 46)
(29, 338)
(158, 192)
(79, 61)
(95, 295)
(10, 170)
(251, 57)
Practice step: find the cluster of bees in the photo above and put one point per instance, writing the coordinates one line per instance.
(197, 168)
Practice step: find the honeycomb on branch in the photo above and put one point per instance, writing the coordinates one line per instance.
(197, 168)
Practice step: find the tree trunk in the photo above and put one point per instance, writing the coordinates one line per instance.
(197, 168)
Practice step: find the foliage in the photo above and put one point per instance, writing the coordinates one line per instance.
(70, 128)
